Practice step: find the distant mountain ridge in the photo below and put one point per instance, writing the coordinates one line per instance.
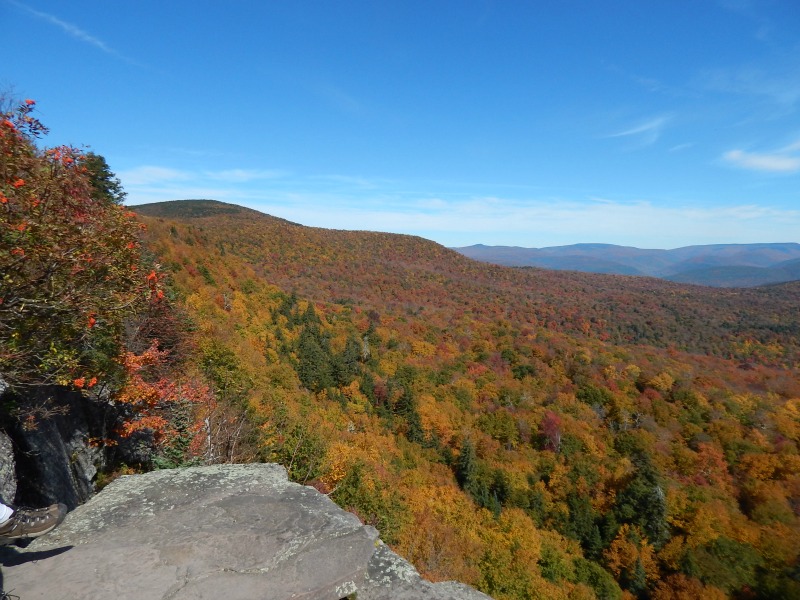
(716, 265)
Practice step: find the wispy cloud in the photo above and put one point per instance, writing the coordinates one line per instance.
(680, 147)
(365, 183)
(749, 9)
(793, 147)
(538, 223)
(780, 85)
(337, 97)
(151, 174)
(777, 162)
(244, 175)
(148, 174)
(646, 132)
(460, 219)
(72, 30)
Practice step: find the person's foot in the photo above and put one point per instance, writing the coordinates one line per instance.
(30, 523)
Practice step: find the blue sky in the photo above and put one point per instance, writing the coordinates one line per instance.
(649, 123)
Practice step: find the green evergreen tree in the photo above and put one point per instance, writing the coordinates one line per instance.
(466, 465)
(313, 361)
(635, 580)
(642, 502)
(582, 525)
(346, 365)
(405, 405)
(105, 183)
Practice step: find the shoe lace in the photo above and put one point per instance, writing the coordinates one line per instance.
(29, 517)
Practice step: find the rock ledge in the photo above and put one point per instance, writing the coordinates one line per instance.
(238, 532)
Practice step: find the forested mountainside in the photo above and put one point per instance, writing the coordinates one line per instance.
(405, 273)
(534, 433)
(717, 265)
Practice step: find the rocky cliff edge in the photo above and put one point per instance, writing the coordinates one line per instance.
(232, 532)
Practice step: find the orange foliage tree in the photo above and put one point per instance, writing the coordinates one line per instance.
(149, 398)
(70, 261)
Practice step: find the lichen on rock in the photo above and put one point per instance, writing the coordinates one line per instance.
(242, 532)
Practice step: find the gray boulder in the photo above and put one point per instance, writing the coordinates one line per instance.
(238, 532)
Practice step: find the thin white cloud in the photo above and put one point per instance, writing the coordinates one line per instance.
(646, 132)
(639, 129)
(793, 147)
(357, 181)
(775, 163)
(779, 85)
(461, 219)
(337, 97)
(680, 147)
(244, 175)
(648, 83)
(764, 27)
(152, 174)
(148, 174)
(72, 30)
(549, 223)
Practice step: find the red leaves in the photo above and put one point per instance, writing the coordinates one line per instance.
(81, 382)
(19, 183)
(153, 280)
(551, 430)
(152, 422)
(134, 363)
(150, 394)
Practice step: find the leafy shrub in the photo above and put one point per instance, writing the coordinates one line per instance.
(70, 260)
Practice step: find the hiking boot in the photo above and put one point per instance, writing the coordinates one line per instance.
(30, 523)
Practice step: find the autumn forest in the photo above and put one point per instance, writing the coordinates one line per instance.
(536, 434)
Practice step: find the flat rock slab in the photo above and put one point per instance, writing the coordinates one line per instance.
(231, 532)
